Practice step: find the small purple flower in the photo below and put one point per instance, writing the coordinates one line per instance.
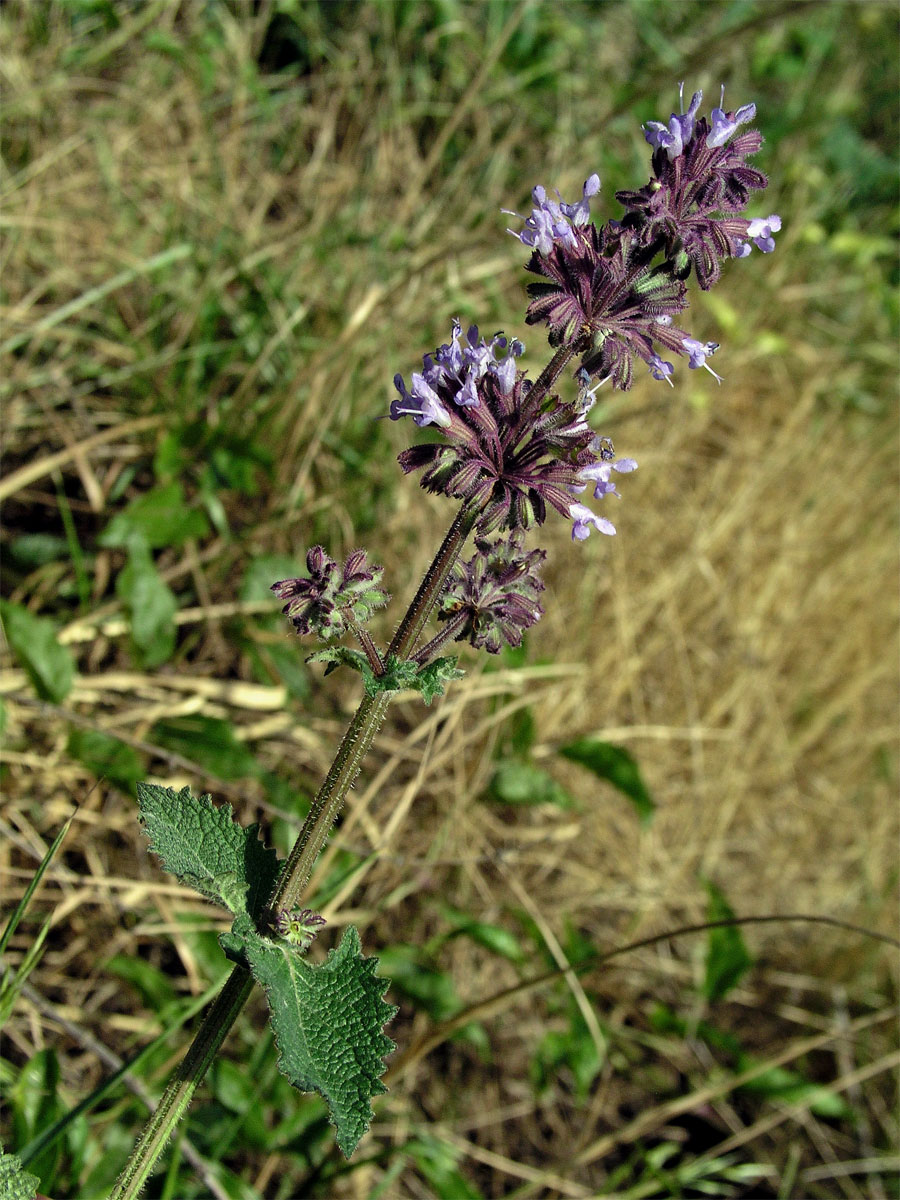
(760, 231)
(552, 221)
(661, 370)
(510, 454)
(422, 404)
(449, 377)
(599, 474)
(724, 124)
(698, 353)
(680, 128)
(583, 519)
(607, 300)
(580, 213)
(702, 181)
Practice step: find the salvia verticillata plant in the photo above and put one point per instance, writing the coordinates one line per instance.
(511, 452)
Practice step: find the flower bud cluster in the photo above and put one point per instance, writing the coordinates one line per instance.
(493, 598)
(332, 599)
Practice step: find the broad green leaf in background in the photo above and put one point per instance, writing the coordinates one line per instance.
(107, 757)
(15, 1182)
(328, 1021)
(428, 988)
(37, 549)
(151, 606)
(33, 640)
(617, 766)
(208, 741)
(492, 937)
(262, 572)
(160, 519)
(727, 957)
(517, 782)
(207, 849)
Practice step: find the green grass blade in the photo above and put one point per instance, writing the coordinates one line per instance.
(54, 1131)
(19, 912)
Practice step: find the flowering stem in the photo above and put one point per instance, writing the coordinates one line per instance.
(448, 630)
(551, 372)
(296, 871)
(368, 646)
(432, 585)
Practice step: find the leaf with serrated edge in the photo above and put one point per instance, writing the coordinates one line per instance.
(328, 1021)
(15, 1182)
(207, 849)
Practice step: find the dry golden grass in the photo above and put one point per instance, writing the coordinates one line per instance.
(739, 636)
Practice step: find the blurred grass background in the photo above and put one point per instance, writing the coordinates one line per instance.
(225, 227)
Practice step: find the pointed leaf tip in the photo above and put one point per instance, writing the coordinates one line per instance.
(328, 1021)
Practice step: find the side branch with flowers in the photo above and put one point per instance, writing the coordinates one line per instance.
(508, 450)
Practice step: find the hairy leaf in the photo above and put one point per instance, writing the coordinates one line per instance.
(399, 674)
(15, 1182)
(328, 1021)
(207, 849)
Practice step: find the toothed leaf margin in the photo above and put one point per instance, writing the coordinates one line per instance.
(207, 849)
(328, 1020)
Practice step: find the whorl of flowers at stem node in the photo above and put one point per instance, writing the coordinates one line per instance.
(493, 596)
(504, 448)
(332, 599)
(611, 292)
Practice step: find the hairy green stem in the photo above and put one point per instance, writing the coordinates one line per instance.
(296, 871)
(551, 372)
(178, 1095)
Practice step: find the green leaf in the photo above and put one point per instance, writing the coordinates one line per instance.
(107, 757)
(616, 766)
(208, 741)
(790, 1087)
(727, 957)
(516, 782)
(429, 989)
(328, 1022)
(399, 674)
(32, 639)
(261, 573)
(437, 1163)
(159, 519)
(15, 1182)
(37, 549)
(150, 604)
(493, 937)
(206, 849)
